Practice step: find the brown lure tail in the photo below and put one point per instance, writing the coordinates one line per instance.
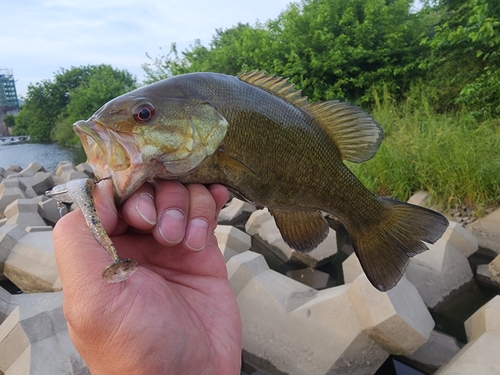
(385, 251)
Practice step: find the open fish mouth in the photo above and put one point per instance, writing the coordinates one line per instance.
(115, 155)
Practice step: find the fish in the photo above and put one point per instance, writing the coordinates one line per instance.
(257, 135)
(80, 191)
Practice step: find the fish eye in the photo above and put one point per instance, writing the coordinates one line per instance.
(144, 113)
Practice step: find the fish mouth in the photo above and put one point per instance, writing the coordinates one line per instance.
(115, 155)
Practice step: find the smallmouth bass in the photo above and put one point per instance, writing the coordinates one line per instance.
(259, 137)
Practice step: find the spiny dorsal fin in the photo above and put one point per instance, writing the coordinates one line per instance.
(356, 134)
(354, 131)
(276, 86)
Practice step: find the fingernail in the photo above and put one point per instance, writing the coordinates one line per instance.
(146, 208)
(171, 227)
(197, 234)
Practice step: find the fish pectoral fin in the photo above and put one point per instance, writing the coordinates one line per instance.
(226, 160)
(302, 230)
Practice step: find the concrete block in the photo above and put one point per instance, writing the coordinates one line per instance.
(33, 336)
(2, 172)
(45, 228)
(397, 320)
(439, 272)
(420, 198)
(50, 211)
(351, 268)
(483, 276)
(256, 219)
(227, 252)
(311, 277)
(461, 239)
(14, 168)
(486, 319)
(269, 233)
(234, 238)
(234, 210)
(66, 171)
(494, 269)
(437, 351)
(24, 212)
(44, 182)
(10, 190)
(32, 169)
(9, 235)
(478, 357)
(487, 232)
(292, 329)
(85, 168)
(31, 264)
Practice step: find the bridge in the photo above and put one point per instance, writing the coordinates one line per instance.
(9, 104)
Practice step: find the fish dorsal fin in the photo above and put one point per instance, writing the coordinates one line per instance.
(276, 86)
(355, 133)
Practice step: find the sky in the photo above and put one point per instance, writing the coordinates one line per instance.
(37, 38)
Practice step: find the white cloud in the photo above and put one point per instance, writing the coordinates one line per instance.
(39, 37)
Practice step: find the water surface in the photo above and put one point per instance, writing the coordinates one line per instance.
(47, 154)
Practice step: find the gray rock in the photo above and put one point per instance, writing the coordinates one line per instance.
(32, 169)
(24, 212)
(10, 190)
(437, 351)
(34, 339)
(31, 264)
(85, 168)
(487, 231)
(439, 272)
(9, 235)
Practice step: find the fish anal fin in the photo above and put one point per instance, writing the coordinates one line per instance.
(357, 135)
(385, 250)
(301, 230)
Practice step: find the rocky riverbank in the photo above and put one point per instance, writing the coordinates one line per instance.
(302, 314)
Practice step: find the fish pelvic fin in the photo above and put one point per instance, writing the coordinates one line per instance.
(385, 251)
(355, 133)
(301, 230)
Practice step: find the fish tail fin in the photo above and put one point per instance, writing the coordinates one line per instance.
(385, 250)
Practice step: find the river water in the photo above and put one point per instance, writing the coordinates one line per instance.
(47, 154)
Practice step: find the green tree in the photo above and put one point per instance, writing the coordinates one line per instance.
(328, 48)
(102, 84)
(9, 121)
(465, 63)
(230, 51)
(48, 102)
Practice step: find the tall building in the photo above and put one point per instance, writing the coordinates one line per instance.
(8, 97)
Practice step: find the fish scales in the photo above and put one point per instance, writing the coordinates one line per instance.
(259, 137)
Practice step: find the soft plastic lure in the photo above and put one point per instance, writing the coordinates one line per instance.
(80, 192)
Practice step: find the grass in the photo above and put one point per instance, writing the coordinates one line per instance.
(452, 156)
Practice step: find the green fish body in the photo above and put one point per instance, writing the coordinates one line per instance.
(259, 137)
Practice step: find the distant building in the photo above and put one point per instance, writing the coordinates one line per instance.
(9, 104)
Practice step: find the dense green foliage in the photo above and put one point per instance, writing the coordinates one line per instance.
(452, 156)
(438, 67)
(9, 121)
(52, 106)
(447, 51)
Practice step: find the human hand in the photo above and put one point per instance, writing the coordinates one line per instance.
(177, 314)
